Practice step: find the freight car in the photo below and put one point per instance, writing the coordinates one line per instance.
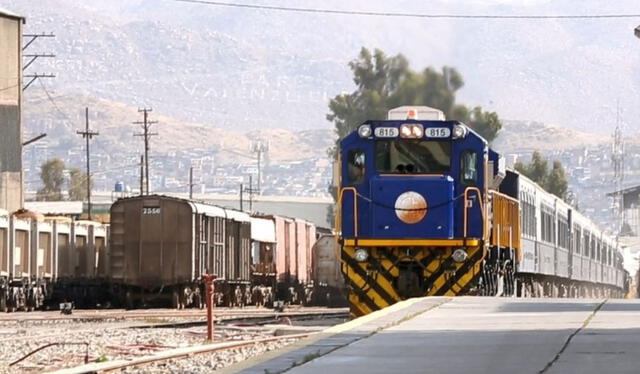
(155, 253)
(287, 253)
(44, 260)
(79, 245)
(161, 247)
(328, 286)
(426, 207)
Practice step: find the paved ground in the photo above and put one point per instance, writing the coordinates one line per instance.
(479, 335)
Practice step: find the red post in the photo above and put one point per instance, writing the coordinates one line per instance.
(209, 288)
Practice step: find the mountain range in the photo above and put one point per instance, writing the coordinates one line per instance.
(238, 68)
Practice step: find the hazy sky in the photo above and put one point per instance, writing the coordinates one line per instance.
(566, 72)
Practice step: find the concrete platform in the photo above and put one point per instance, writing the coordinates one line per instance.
(472, 334)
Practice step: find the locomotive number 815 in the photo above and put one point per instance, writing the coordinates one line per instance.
(425, 207)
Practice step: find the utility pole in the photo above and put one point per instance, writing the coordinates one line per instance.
(250, 190)
(251, 193)
(146, 124)
(141, 175)
(88, 134)
(259, 147)
(33, 57)
(191, 183)
(34, 37)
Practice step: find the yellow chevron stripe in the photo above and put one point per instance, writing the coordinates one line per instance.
(366, 286)
(389, 267)
(387, 286)
(438, 283)
(433, 267)
(422, 254)
(367, 290)
(357, 308)
(464, 280)
(377, 285)
(443, 278)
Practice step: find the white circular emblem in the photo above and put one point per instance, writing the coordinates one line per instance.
(411, 207)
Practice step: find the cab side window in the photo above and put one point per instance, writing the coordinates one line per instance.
(469, 167)
(355, 166)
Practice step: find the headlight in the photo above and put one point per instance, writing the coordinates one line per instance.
(364, 131)
(459, 131)
(411, 131)
(361, 255)
(459, 255)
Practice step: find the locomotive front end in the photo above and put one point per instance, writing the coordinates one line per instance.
(410, 208)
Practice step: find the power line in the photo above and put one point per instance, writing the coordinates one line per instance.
(409, 15)
(9, 87)
(54, 103)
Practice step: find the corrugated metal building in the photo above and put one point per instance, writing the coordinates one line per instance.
(11, 195)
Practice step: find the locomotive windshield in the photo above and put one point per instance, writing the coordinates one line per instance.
(413, 156)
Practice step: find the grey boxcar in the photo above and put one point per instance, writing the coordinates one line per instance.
(161, 246)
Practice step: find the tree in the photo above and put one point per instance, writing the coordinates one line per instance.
(384, 82)
(52, 176)
(78, 184)
(557, 181)
(537, 170)
(553, 181)
(387, 82)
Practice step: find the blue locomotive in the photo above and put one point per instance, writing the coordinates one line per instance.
(426, 207)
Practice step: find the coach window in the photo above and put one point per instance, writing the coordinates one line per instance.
(469, 167)
(355, 166)
(587, 244)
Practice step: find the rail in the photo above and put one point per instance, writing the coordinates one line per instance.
(222, 315)
(86, 351)
(117, 366)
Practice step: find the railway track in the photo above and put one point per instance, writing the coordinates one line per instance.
(176, 354)
(120, 321)
(104, 315)
(131, 335)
